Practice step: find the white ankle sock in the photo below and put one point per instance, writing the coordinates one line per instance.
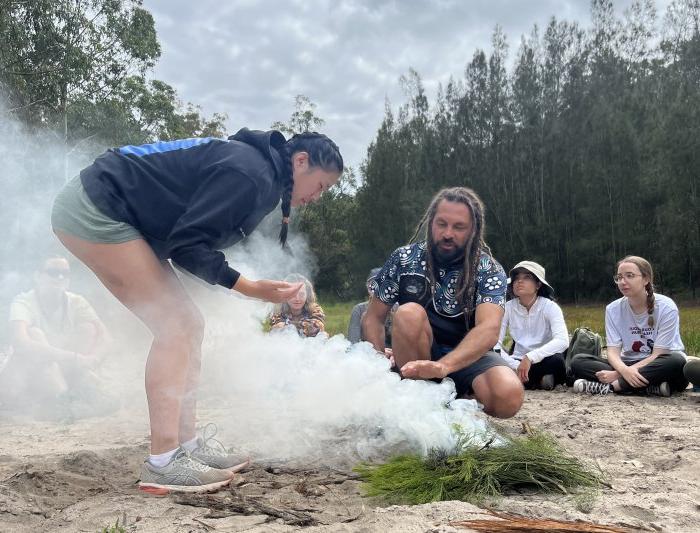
(191, 445)
(162, 459)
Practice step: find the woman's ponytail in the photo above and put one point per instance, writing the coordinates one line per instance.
(322, 152)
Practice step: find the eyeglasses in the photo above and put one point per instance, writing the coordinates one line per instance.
(57, 272)
(629, 276)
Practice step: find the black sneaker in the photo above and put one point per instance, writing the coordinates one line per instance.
(662, 389)
(547, 382)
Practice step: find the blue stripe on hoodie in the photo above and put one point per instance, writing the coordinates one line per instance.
(163, 146)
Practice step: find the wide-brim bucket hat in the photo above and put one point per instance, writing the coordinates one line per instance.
(533, 268)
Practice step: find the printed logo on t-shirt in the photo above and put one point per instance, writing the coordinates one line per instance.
(645, 345)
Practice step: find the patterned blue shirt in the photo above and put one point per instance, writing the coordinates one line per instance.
(404, 279)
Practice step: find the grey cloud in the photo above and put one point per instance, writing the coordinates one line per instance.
(251, 58)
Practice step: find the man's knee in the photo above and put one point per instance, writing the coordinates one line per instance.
(501, 392)
(409, 318)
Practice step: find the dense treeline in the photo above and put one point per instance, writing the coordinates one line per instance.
(80, 68)
(587, 148)
(585, 145)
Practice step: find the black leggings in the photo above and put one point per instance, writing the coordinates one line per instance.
(666, 367)
(552, 364)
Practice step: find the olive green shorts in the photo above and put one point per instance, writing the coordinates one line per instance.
(74, 213)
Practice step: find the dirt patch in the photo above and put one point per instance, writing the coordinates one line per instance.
(67, 478)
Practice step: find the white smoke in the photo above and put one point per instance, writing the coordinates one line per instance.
(275, 396)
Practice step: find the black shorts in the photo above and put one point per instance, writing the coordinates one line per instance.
(463, 378)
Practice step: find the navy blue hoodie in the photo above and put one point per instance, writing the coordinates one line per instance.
(193, 197)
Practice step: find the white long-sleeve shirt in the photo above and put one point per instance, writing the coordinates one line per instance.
(538, 333)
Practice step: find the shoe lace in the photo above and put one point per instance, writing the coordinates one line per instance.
(183, 458)
(595, 387)
(211, 445)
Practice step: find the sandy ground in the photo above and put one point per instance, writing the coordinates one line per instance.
(82, 477)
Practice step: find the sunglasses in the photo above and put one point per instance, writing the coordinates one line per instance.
(57, 272)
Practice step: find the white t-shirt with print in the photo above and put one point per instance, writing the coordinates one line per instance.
(632, 334)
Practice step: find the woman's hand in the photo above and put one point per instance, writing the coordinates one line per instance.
(634, 378)
(523, 369)
(268, 290)
(607, 376)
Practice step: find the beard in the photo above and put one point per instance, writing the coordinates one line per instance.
(449, 255)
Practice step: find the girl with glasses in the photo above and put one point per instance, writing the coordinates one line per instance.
(644, 346)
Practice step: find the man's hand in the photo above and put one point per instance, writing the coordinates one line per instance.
(607, 376)
(424, 370)
(523, 369)
(267, 290)
(389, 354)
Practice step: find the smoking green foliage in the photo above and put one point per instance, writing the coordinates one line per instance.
(477, 472)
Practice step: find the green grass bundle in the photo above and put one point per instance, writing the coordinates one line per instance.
(477, 472)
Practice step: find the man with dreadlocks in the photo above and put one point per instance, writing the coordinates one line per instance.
(451, 295)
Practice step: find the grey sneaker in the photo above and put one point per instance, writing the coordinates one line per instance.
(182, 474)
(547, 382)
(592, 387)
(211, 452)
(662, 389)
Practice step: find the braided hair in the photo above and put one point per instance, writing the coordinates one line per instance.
(322, 151)
(645, 269)
(474, 248)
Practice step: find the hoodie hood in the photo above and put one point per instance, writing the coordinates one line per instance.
(269, 143)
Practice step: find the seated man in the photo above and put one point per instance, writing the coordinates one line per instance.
(355, 333)
(56, 338)
(451, 294)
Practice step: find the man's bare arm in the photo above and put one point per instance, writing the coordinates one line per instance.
(23, 344)
(482, 338)
(373, 323)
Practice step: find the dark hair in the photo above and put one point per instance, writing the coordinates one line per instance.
(323, 153)
(544, 291)
(475, 245)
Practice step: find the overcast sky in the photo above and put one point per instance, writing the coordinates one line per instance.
(250, 58)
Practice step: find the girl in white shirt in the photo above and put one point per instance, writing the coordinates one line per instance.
(644, 346)
(536, 325)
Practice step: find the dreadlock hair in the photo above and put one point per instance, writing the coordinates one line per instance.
(645, 269)
(323, 153)
(475, 245)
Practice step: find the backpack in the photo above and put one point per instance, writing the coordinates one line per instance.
(583, 340)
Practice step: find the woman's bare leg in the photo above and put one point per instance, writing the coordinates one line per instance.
(150, 289)
(188, 407)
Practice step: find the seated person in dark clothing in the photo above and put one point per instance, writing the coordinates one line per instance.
(355, 325)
